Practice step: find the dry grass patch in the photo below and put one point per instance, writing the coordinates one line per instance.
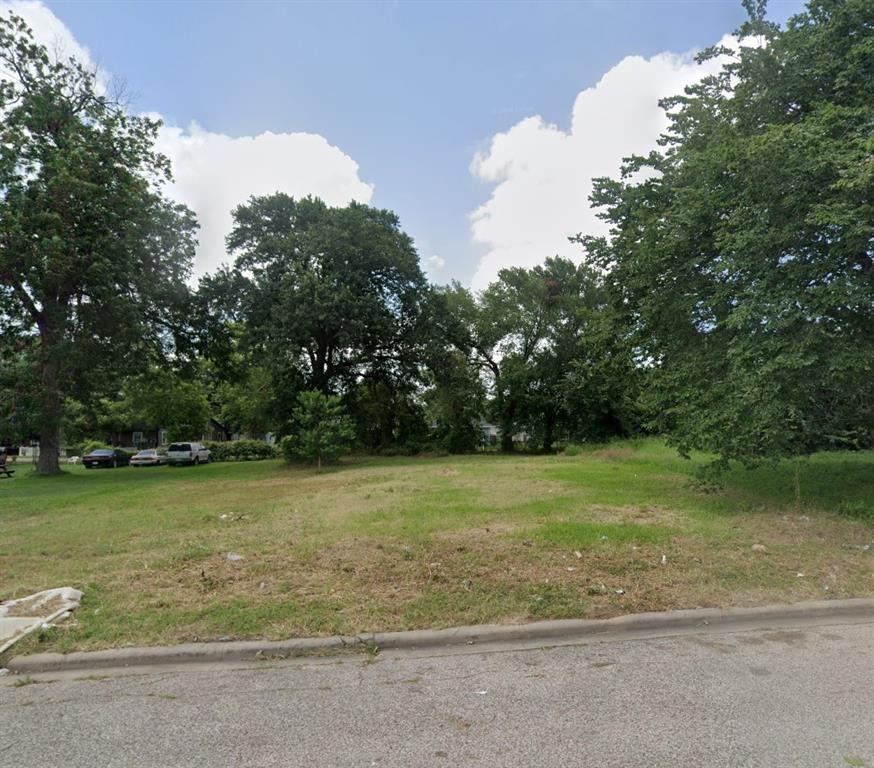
(408, 543)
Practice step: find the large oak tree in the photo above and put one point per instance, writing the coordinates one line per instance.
(92, 257)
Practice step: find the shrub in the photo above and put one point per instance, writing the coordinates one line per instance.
(92, 445)
(241, 450)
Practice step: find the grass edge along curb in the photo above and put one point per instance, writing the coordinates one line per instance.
(546, 632)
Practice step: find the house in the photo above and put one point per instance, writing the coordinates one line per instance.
(143, 436)
(491, 433)
(137, 436)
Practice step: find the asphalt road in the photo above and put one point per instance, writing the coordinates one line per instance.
(795, 698)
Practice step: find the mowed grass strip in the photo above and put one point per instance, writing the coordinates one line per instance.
(404, 543)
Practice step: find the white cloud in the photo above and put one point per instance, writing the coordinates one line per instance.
(213, 173)
(49, 30)
(434, 265)
(542, 174)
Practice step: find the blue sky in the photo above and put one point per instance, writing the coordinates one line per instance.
(410, 91)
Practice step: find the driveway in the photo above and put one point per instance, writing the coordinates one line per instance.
(799, 697)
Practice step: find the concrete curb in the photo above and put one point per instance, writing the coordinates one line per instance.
(542, 632)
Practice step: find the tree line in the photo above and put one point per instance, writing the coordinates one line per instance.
(730, 308)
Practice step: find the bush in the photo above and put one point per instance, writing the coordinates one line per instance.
(83, 449)
(91, 445)
(241, 450)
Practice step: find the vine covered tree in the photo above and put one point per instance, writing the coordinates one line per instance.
(93, 259)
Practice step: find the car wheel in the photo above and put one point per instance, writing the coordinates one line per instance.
(196, 460)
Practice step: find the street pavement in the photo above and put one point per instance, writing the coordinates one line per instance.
(765, 698)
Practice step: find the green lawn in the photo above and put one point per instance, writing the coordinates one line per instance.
(382, 544)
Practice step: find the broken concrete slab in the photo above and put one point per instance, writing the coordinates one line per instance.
(18, 618)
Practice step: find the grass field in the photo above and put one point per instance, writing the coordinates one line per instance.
(382, 544)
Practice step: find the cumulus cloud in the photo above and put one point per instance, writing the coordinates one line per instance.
(542, 174)
(49, 30)
(213, 173)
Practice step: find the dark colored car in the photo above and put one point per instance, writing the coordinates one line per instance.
(106, 457)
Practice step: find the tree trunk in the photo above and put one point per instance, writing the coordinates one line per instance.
(50, 407)
(548, 431)
(507, 428)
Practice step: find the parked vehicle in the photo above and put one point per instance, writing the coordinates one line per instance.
(106, 457)
(188, 453)
(148, 457)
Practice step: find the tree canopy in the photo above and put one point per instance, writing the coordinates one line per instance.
(537, 337)
(730, 307)
(327, 299)
(93, 258)
(740, 254)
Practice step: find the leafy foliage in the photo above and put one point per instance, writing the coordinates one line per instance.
(319, 298)
(539, 342)
(160, 399)
(334, 293)
(741, 256)
(240, 450)
(19, 385)
(93, 258)
(323, 432)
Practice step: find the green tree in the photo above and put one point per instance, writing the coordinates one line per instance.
(571, 305)
(531, 333)
(323, 432)
(245, 406)
(741, 259)
(601, 390)
(93, 259)
(161, 399)
(155, 399)
(327, 297)
(387, 413)
(19, 385)
(455, 402)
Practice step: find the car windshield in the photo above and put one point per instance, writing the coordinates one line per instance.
(149, 452)
(102, 452)
(180, 447)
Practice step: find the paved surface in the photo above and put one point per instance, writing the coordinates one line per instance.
(800, 697)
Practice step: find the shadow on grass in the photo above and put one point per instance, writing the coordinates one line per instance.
(841, 483)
